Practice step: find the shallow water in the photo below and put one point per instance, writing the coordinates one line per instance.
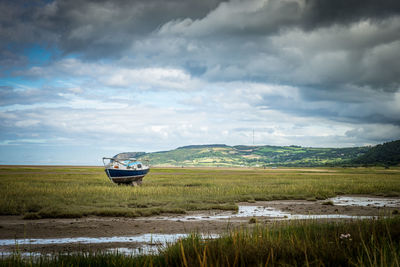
(258, 211)
(145, 249)
(23, 254)
(150, 243)
(153, 239)
(147, 243)
(142, 250)
(272, 213)
(366, 201)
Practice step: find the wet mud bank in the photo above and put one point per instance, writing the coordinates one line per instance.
(147, 235)
(146, 243)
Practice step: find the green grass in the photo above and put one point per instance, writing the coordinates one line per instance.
(310, 243)
(362, 243)
(57, 192)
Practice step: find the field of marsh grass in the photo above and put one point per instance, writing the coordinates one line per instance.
(297, 243)
(60, 192)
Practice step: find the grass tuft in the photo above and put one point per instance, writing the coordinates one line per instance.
(32, 216)
(252, 220)
(328, 203)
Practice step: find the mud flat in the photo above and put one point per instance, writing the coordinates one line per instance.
(147, 234)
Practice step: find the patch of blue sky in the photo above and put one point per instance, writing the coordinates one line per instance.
(68, 82)
(38, 55)
(72, 55)
(20, 107)
(23, 141)
(56, 153)
(34, 153)
(19, 82)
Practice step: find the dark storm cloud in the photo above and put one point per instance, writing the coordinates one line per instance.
(354, 42)
(269, 17)
(358, 112)
(343, 56)
(107, 28)
(321, 13)
(93, 28)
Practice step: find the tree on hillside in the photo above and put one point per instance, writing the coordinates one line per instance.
(385, 154)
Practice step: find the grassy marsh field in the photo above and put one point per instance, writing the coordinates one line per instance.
(60, 192)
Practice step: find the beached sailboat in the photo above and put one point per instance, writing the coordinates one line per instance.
(125, 170)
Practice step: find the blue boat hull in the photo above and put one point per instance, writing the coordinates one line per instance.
(126, 176)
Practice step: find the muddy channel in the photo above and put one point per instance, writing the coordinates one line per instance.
(149, 234)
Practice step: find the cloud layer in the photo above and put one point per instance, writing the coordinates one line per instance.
(159, 74)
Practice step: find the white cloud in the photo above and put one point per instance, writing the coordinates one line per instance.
(212, 119)
(27, 123)
(150, 78)
(107, 75)
(162, 108)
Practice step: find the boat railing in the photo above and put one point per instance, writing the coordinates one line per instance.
(120, 161)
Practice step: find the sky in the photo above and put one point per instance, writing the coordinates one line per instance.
(80, 80)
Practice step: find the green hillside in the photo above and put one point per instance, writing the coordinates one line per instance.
(386, 154)
(254, 156)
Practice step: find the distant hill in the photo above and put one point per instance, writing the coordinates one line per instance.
(254, 156)
(125, 155)
(387, 154)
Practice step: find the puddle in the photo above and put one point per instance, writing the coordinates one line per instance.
(154, 239)
(243, 212)
(272, 213)
(365, 201)
(26, 255)
(258, 211)
(143, 250)
(148, 243)
(327, 216)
